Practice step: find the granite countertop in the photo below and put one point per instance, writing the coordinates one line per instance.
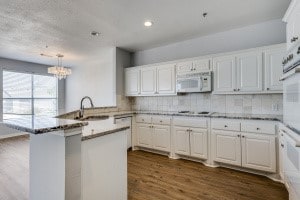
(117, 114)
(248, 116)
(39, 125)
(217, 115)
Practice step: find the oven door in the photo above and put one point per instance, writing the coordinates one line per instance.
(292, 167)
(192, 84)
(291, 101)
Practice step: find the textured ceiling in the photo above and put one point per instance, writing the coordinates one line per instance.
(28, 26)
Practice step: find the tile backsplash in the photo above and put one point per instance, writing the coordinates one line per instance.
(248, 104)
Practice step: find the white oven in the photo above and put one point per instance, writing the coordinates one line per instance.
(292, 163)
(196, 82)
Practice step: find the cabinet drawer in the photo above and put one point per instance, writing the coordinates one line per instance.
(144, 119)
(226, 125)
(190, 122)
(161, 120)
(256, 127)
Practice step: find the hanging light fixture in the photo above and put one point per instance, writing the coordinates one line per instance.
(59, 71)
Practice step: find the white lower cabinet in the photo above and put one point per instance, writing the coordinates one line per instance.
(191, 141)
(198, 143)
(255, 149)
(152, 135)
(182, 140)
(161, 137)
(144, 135)
(258, 152)
(226, 147)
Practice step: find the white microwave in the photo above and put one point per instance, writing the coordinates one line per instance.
(197, 82)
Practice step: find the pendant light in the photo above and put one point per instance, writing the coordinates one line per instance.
(59, 71)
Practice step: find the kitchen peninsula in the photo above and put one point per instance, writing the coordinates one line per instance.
(67, 163)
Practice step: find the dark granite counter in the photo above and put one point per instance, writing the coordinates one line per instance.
(39, 125)
(247, 116)
(216, 115)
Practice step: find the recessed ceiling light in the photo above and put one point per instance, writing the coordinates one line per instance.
(95, 33)
(148, 23)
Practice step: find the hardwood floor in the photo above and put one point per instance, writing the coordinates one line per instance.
(150, 176)
(157, 177)
(14, 168)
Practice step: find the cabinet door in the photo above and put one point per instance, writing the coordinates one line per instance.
(273, 69)
(144, 132)
(293, 28)
(132, 82)
(182, 140)
(161, 137)
(258, 152)
(224, 74)
(249, 72)
(201, 65)
(166, 79)
(148, 80)
(184, 67)
(290, 33)
(226, 147)
(198, 141)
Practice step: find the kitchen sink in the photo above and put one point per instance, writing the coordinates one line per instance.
(92, 118)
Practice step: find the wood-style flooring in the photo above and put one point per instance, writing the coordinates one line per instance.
(150, 177)
(14, 168)
(155, 177)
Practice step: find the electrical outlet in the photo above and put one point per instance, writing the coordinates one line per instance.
(275, 107)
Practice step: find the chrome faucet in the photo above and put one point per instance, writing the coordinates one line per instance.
(81, 112)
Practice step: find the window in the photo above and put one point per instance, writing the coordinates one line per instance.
(28, 94)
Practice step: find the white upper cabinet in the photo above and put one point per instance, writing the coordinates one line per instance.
(224, 74)
(202, 65)
(184, 67)
(292, 17)
(273, 69)
(166, 79)
(132, 81)
(148, 80)
(249, 71)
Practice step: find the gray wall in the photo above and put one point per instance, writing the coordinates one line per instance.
(20, 66)
(95, 77)
(267, 33)
(122, 61)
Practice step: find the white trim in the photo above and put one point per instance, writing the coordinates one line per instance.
(290, 9)
(211, 56)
